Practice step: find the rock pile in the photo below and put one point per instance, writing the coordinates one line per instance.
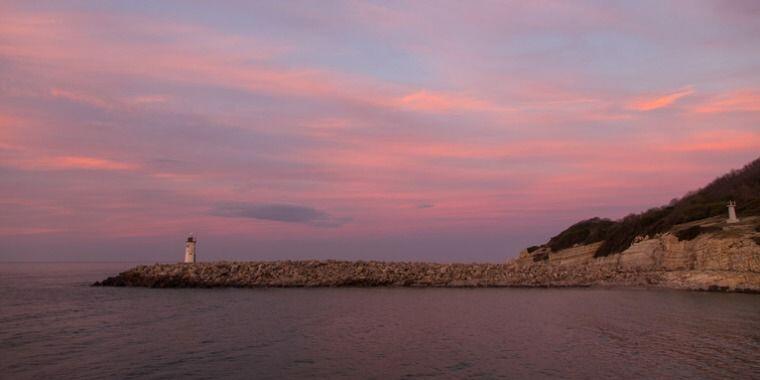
(313, 273)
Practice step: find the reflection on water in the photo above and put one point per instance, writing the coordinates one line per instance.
(53, 325)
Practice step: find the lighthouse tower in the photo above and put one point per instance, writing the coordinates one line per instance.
(190, 249)
(732, 213)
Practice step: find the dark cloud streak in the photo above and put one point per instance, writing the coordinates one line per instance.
(279, 212)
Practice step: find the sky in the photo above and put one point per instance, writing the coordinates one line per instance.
(426, 130)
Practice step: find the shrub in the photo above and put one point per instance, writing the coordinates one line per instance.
(692, 232)
(584, 232)
(542, 256)
(689, 233)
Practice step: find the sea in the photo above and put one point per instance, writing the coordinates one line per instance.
(53, 325)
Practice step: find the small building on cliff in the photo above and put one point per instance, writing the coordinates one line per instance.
(732, 213)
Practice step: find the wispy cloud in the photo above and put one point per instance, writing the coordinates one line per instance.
(430, 101)
(737, 101)
(24, 161)
(93, 163)
(660, 101)
(279, 212)
(716, 141)
(80, 97)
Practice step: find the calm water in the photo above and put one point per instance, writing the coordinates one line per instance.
(52, 325)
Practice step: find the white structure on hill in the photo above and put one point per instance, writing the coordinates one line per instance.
(190, 249)
(732, 213)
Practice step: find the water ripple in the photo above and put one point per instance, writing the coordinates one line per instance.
(52, 325)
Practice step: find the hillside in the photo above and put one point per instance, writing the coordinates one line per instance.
(742, 186)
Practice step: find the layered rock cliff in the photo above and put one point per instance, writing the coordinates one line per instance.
(716, 256)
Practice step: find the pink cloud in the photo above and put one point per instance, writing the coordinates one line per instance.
(431, 101)
(150, 99)
(184, 63)
(7, 126)
(89, 163)
(13, 231)
(738, 101)
(31, 37)
(29, 162)
(660, 101)
(716, 141)
(80, 97)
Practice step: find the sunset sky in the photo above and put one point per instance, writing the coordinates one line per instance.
(444, 131)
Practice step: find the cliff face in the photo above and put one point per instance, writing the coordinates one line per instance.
(725, 257)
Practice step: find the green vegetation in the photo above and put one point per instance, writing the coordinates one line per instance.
(584, 232)
(742, 186)
(541, 256)
(692, 232)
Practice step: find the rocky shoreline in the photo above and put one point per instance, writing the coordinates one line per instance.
(400, 274)
(722, 257)
(665, 247)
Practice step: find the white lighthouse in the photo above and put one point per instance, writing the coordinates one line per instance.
(732, 213)
(190, 249)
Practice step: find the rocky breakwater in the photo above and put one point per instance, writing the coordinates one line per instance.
(312, 273)
(330, 273)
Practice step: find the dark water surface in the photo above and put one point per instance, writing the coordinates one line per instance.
(52, 325)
